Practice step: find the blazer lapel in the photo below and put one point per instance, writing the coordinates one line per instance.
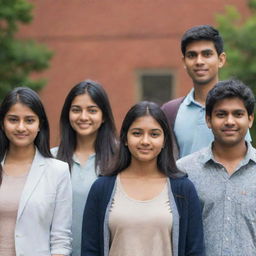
(34, 176)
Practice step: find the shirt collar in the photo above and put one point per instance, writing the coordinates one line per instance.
(191, 100)
(207, 155)
(76, 160)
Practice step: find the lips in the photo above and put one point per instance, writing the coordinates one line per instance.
(144, 150)
(20, 135)
(201, 72)
(84, 125)
(229, 131)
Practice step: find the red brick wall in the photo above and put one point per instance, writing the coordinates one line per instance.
(108, 40)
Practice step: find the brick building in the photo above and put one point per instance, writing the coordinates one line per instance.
(130, 46)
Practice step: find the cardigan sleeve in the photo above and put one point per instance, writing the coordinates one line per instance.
(90, 245)
(194, 236)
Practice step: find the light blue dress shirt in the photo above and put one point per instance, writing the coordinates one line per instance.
(190, 127)
(82, 177)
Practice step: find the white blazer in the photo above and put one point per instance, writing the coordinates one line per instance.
(43, 225)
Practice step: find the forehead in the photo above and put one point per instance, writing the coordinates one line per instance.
(229, 104)
(201, 45)
(145, 122)
(21, 110)
(83, 100)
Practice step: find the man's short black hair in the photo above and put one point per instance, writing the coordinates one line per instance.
(202, 32)
(230, 89)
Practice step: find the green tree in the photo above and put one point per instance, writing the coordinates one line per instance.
(239, 34)
(19, 57)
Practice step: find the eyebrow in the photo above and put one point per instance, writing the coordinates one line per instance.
(235, 110)
(155, 129)
(90, 106)
(13, 115)
(204, 50)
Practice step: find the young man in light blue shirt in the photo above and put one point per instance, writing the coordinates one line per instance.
(203, 56)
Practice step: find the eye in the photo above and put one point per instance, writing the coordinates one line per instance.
(239, 114)
(190, 55)
(30, 120)
(207, 53)
(136, 133)
(12, 119)
(92, 110)
(220, 114)
(75, 110)
(155, 134)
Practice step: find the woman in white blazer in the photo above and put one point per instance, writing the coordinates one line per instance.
(35, 189)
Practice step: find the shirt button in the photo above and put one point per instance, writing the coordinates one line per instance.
(228, 218)
(226, 239)
(228, 198)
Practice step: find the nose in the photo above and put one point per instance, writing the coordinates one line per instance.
(199, 59)
(84, 115)
(229, 120)
(21, 126)
(145, 139)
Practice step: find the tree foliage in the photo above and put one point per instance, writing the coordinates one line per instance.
(239, 38)
(239, 34)
(19, 57)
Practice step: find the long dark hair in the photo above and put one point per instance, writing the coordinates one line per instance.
(28, 97)
(106, 141)
(165, 160)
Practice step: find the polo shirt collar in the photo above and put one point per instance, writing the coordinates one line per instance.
(76, 160)
(190, 99)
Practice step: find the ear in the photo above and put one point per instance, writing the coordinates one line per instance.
(251, 118)
(208, 121)
(183, 60)
(222, 59)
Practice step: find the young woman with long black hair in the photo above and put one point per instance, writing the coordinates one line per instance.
(146, 206)
(35, 189)
(88, 143)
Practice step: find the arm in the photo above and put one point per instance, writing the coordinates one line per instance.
(194, 237)
(91, 225)
(60, 238)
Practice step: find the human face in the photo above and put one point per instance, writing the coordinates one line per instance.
(85, 116)
(229, 122)
(202, 62)
(21, 126)
(145, 139)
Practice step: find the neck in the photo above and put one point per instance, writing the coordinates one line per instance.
(201, 91)
(84, 148)
(21, 155)
(85, 144)
(229, 156)
(143, 169)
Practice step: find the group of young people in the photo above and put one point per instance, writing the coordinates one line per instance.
(100, 194)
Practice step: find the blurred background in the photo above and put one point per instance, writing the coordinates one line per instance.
(131, 47)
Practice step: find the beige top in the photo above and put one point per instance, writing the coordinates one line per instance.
(10, 193)
(140, 227)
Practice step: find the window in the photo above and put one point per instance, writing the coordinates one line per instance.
(155, 86)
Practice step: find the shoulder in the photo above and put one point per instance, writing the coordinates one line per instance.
(183, 188)
(172, 103)
(57, 167)
(103, 184)
(182, 184)
(191, 160)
